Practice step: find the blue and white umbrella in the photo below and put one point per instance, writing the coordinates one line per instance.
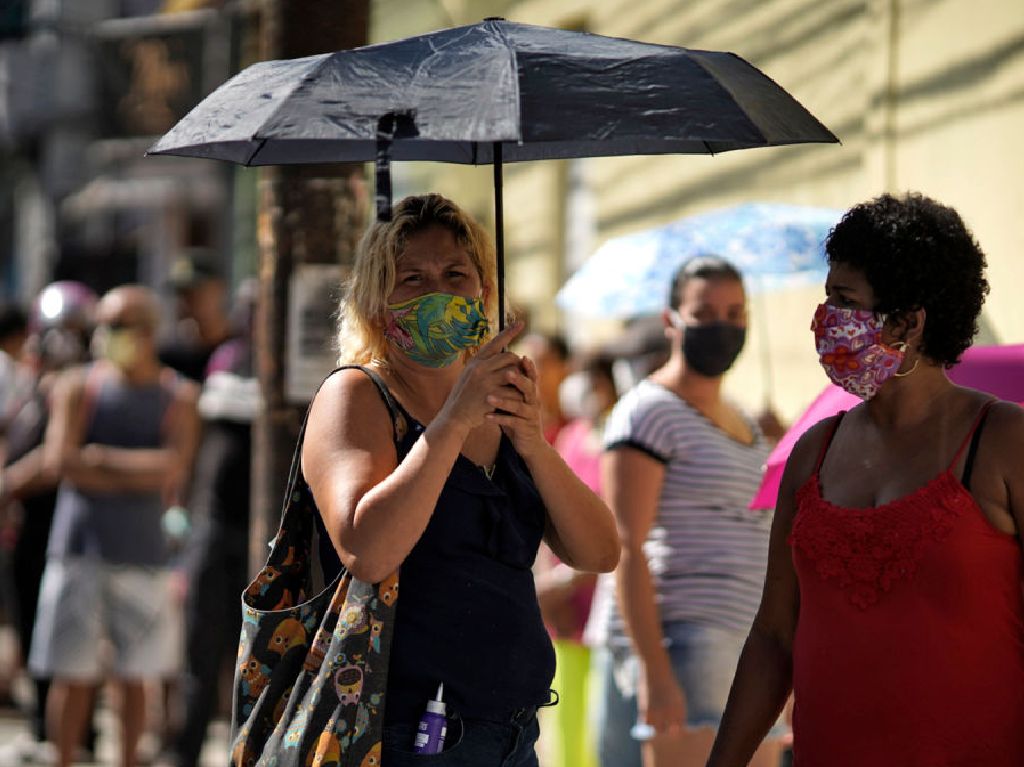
(773, 245)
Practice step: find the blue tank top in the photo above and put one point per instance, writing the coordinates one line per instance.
(467, 610)
(118, 528)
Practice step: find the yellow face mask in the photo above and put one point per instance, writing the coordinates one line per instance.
(121, 347)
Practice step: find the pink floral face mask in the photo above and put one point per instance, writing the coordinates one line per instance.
(850, 348)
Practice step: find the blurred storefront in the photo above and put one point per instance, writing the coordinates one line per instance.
(85, 87)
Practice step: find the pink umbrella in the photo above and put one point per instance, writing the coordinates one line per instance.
(998, 370)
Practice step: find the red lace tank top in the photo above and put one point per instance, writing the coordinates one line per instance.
(909, 647)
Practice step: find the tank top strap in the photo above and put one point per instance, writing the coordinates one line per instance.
(91, 386)
(828, 440)
(971, 438)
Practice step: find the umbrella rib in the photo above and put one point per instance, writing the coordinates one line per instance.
(735, 99)
(284, 101)
(515, 79)
(256, 151)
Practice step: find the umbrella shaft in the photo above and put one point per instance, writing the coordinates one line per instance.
(499, 235)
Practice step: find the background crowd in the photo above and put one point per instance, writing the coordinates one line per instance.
(199, 367)
(125, 504)
(106, 409)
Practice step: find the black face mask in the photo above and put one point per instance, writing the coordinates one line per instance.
(711, 349)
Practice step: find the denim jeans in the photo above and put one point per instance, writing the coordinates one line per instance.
(470, 743)
(613, 709)
(704, 660)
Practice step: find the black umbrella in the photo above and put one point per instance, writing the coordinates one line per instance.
(488, 93)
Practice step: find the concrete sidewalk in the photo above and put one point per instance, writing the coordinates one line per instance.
(14, 736)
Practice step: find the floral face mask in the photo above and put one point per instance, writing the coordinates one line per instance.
(435, 328)
(850, 349)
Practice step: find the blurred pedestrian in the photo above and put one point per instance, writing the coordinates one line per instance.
(15, 384)
(61, 323)
(550, 352)
(122, 437)
(14, 380)
(681, 465)
(201, 326)
(216, 553)
(456, 484)
(201, 306)
(587, 396)
(893, 605)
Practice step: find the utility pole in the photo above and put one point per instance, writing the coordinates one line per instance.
(308, 214)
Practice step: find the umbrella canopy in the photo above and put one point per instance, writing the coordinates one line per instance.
(535, 92)
(998, 370)
(491, 92)
(774, 245)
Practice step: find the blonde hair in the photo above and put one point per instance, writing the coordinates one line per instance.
(364, 302)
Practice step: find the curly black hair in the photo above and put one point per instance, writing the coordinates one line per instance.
(917, 253)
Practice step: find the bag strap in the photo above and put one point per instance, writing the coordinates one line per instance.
(291, 507)
(394, 411)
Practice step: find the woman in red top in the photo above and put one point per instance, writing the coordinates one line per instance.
(893, 602)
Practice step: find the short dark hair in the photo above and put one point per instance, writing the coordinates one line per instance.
(598, 365)
(705, 267)
(13, 320)
(917, 253)
(557, 344)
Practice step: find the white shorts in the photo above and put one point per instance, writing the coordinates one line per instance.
(96, 619)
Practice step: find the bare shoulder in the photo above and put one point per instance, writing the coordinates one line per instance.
(349, 410)
(70, 384)
(1005, 426)
(804, 457)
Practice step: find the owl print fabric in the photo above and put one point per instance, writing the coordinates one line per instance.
(312, 669)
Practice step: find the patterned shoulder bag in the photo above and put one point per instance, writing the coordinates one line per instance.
(312, 667)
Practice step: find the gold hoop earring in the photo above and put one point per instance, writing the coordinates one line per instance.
(901, 346)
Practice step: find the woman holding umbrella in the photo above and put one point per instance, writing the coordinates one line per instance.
(456, 485)
(893, 605)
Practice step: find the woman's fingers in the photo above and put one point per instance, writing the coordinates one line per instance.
(522, 381)
(511, 405)
(529, 368)
(497, 344)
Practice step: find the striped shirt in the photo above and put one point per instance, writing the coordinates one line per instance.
(706, 551)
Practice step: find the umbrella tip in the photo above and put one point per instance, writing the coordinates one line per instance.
(495, 18)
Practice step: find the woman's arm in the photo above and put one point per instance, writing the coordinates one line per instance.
(764, 675)
(27, 476)
(1003, 444)
(580, 529)
(632, 481)
(375, 509)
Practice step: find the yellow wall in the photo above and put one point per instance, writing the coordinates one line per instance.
(924, 94)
